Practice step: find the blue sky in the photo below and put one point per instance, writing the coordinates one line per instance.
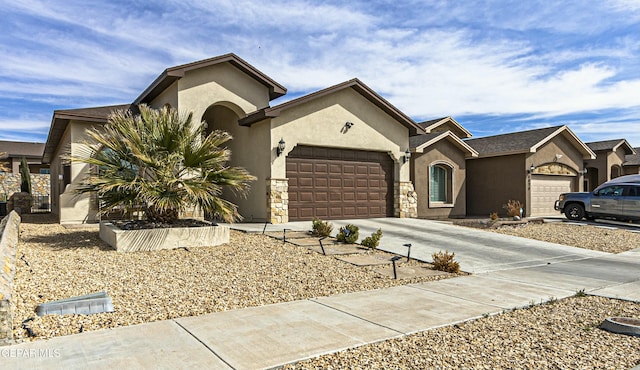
(495, 66)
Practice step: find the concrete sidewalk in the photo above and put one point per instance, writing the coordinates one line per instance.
(278, 334)
(274, 335)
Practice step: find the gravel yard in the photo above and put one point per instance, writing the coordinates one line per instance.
(251, 270)
(256, 270)
(581, 236)
(587, 236)
(560, 335)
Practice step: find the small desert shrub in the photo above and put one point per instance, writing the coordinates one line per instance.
(444, 262)
(348, 234)
(373, 241)
(493, 216)
(321, 228)
(513, 207)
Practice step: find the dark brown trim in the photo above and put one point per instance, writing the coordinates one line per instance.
(355, 84)
(172, 74)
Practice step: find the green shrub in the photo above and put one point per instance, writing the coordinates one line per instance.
(321, 228)
(373, 241)
(348, 234)
(444, 262)
(25, 183)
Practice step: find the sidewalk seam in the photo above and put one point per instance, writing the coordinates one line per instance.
(204, 344)
(357, 317)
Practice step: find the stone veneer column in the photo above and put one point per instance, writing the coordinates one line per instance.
(405, 200)
(278, 200)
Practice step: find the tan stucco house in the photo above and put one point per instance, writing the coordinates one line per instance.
(532, 167)
(609, 161)
(341, 152)
(14, 151)
(438, 170)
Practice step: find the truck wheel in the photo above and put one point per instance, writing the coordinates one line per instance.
(574, 211)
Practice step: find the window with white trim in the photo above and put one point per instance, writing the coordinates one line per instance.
(440, 184)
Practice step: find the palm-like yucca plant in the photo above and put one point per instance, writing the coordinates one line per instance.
(162, 161)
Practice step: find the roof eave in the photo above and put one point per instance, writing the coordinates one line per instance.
(587, 153)
(442, 121)
(172, 74)
(470, 152)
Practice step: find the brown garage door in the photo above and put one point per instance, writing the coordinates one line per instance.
(335, 184)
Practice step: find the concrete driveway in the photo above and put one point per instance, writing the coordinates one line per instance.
(477, 250)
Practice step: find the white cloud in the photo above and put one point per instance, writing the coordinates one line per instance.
(429, 58)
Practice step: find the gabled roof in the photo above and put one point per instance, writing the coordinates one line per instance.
(172, 74)
(430, 125)
(355, 84)
(419, 143)
(611, 145)
(61, 119)
(525, 142)
(632, 159)
(21, 149)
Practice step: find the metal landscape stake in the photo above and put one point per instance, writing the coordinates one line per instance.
(393, 261)
(321, 246)
(265, 226)
(408, 245)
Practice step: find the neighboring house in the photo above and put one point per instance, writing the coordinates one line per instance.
(631, 164)
(16, 150)
(438, 170)
(336, 153)
(532, 167)
(610, 156)
(10, 181)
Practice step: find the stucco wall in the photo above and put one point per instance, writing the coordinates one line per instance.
(168, 96)
(570, 155)
(72, 208)
(491, 182)
(219, 84)
(321, 122)
(441, 152)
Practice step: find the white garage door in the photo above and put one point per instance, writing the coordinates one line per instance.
(545, 191)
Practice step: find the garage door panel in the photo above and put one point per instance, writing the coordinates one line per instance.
(341, 184)
(348, 169)
(305, 167)
(321, 196)
(362, 169)
(321, 168)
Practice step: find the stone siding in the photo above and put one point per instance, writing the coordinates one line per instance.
(9, 230)
(278, 199)
(405, 200)
(10, 183)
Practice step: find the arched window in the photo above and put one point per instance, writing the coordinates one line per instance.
(616, 171)
(440, 183)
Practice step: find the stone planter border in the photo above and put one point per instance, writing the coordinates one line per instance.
(164, 238)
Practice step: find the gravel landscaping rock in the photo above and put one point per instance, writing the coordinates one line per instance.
(254, 269)
(559, 335)
(581, 236)
(251, 270)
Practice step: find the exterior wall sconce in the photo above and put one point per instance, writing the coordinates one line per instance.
(584, 171)
(281, 147)
(532, 168)
(346, 127)
(407, 155)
